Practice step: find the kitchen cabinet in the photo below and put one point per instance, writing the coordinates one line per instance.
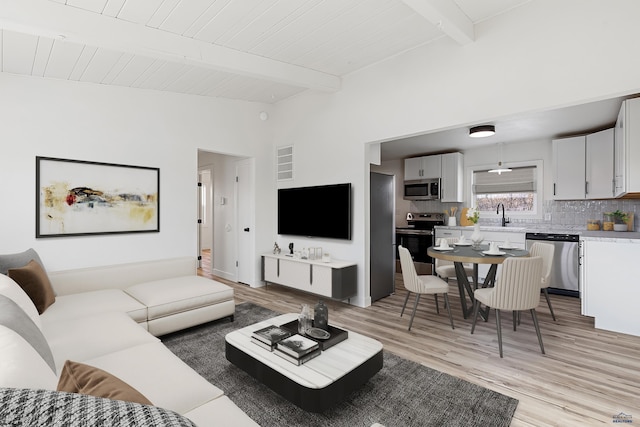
(599, 165)
(426, 167)
(336, 279)
(627, 149)
(607, 289)
(583, 166)
(452, 175)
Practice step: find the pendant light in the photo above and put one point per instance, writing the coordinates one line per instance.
(501, 168)
(482, 131)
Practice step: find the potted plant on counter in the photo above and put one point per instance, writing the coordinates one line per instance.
(620, 220)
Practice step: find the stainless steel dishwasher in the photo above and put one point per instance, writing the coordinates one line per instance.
(564, 272)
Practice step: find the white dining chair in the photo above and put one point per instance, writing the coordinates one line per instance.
(516, 289)
(545, 251)
(446, 269)
(427, 284)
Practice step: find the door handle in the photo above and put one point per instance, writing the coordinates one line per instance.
(246, 229)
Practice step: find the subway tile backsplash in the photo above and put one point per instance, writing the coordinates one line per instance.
(568, 214)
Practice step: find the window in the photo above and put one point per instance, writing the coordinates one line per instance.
(517, 190)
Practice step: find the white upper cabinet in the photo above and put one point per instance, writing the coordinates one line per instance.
(599, 165)
(569, 168)
(583, 167)
(627, 149)
(451, 188)
(426, 167)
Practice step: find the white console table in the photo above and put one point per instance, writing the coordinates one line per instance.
(335, 279)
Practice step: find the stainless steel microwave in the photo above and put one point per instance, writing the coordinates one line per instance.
(422, 189)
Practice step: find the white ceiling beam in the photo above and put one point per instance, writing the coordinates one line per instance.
(50, 19)
(447, 16)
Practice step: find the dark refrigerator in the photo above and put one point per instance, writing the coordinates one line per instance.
(382, 235)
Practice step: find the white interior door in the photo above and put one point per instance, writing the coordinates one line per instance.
(205, 211)
(246, 221)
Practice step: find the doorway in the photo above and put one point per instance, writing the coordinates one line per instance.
(227, 205)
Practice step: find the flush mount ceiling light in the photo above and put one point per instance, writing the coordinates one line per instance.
(501, 168)
(482, 131)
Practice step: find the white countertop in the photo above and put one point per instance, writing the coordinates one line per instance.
(631, 236)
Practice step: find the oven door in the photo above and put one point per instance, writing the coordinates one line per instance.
(417, 244)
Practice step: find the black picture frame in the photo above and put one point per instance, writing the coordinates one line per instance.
(85, 198)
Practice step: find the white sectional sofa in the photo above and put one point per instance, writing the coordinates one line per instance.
(109, 318)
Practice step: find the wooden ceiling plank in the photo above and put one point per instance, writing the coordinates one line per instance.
(133, 70)
(117, 68)
(96, 6)
(206, 17)
(113, 7)
(269, 22)
(83, 61)
(64, 56)
(446, 15)
(42, 55)
(139, 12)
(100, 65)
(184, 15)
(46, 18)
(18, 51)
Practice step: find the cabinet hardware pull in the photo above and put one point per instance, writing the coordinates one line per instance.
(278, 268)
(311, 274)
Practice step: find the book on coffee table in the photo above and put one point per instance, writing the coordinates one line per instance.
(297, 346)
(268, 337)
(299, 360)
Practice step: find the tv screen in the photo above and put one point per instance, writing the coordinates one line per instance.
(320, 211)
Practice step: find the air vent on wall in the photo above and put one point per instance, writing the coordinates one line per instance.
(285, 163)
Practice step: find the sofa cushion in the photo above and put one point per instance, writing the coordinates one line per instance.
(26, 407)
(84, 379)
(160, 375)
(33, 279)
(86, 303)
(12, 316)
(179, 294)
(10, 289)
(93, 335)
(20, 259)
(223, 411)
(21, 365)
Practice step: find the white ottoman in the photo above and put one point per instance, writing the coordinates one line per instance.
(181, 302)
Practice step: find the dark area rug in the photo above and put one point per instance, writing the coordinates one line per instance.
(403, 393)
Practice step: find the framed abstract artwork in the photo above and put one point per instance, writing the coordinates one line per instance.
(80, 198)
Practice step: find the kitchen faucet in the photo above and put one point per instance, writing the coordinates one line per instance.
(505, 221)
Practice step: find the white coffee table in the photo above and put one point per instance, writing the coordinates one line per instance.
(317, 384)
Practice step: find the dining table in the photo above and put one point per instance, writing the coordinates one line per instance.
(461, 253)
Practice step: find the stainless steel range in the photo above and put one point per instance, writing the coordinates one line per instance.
(417, 237)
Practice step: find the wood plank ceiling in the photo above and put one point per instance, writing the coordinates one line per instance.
(262, 51)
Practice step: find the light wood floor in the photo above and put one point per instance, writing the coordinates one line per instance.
(586, 377)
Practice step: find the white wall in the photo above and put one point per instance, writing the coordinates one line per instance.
(544, 55)
(44, 117)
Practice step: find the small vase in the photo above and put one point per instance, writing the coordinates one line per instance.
(477, 236)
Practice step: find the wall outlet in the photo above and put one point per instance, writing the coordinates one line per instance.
(547, 217)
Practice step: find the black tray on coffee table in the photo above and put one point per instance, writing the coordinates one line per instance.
(337, 335)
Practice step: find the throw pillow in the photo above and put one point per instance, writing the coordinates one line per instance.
(10, 289)
(35, 282)
(14, 318)
(84, 379)
(21, 259)
(30, 407)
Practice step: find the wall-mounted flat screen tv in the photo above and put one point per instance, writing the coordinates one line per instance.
(320, 211)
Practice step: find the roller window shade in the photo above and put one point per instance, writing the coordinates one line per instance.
(519, 180)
